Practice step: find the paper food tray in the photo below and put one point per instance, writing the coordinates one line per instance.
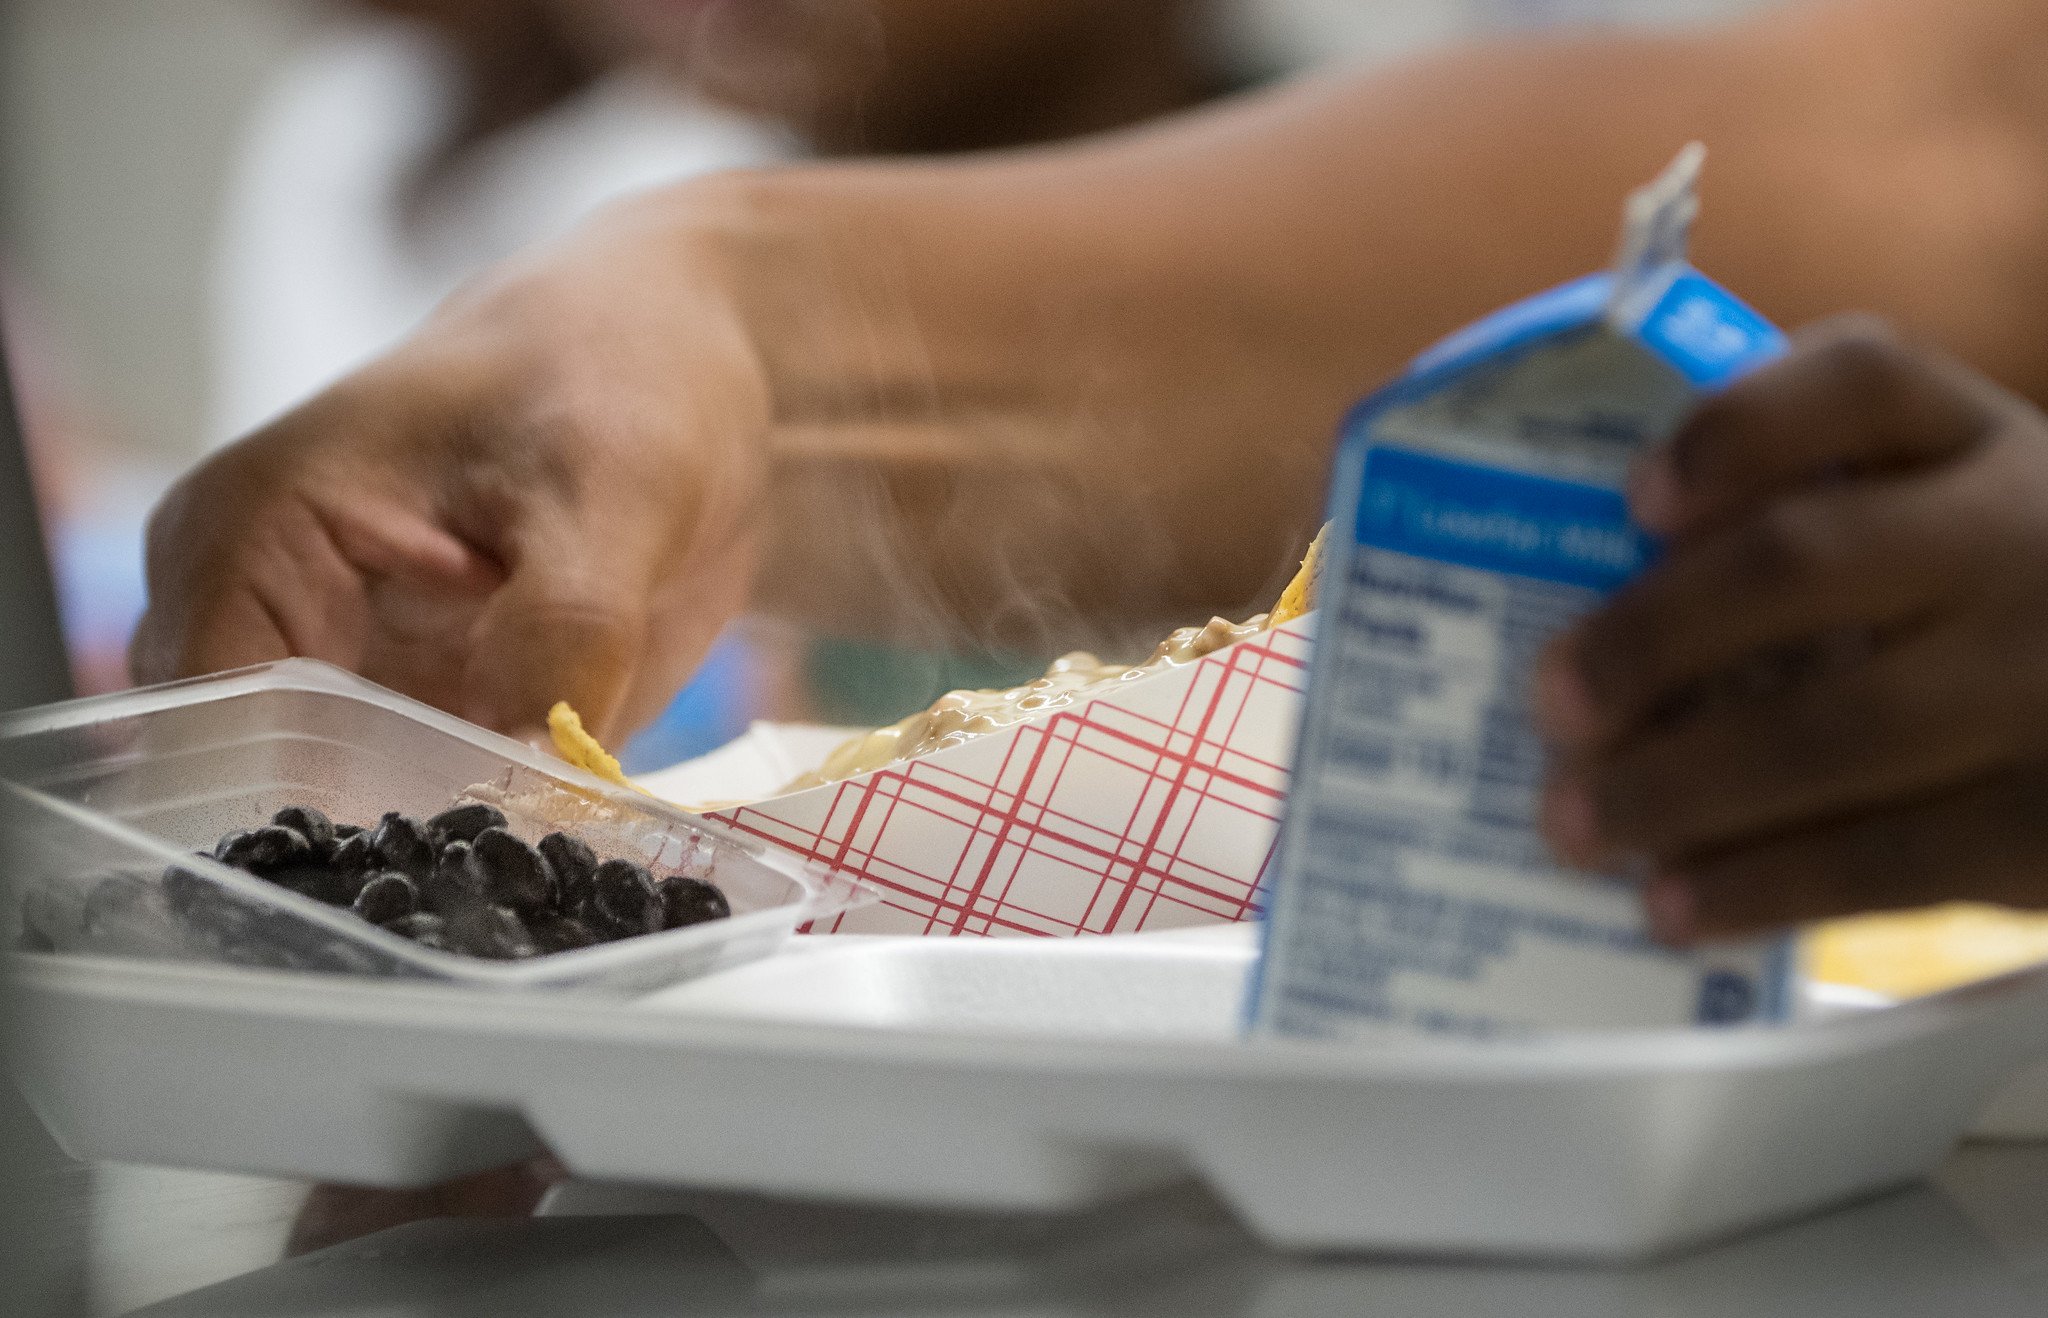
(1023, 1074)
(1151, 807)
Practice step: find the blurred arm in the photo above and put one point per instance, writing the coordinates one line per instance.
(1107, 376)
(1004, 397)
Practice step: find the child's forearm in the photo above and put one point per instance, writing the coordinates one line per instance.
(1112, 370)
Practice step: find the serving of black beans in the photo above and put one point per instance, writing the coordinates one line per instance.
(574, 863)
(622, 901)
(687, 901)
(264, 850)
(554, 932)
(423, 927)
(460, 881)
(447, 885)
(510, 873)
(310, 824)
(401, 843)
(112, 899)
(353, 853)
(387, 897)
(322, 883)
(489, 931)
(462, 823)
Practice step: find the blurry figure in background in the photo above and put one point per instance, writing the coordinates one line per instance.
(914, 77)
(91, 497)
(417, 142)
(413, 143)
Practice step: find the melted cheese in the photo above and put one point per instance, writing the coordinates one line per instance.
(575, 744)
(1300, 595)
(960, 716)
(1073, 679)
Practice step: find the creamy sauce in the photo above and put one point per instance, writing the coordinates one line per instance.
(1073, 679)
(961, 716)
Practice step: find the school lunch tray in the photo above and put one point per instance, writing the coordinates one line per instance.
(1023, 1074)
(105, 798)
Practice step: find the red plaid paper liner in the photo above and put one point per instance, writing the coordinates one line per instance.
(1153, 807)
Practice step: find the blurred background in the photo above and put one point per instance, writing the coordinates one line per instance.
(215, 206)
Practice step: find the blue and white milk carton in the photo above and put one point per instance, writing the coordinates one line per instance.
(1476, 510)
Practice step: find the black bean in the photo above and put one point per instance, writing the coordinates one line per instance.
(343, 832)
(489, 931)
(113, 899)
(320, 882)
(687, 901)
(186, 893)
(554, 932)
(121, 911)
(290, 940)
(354, 854)
(402, 845)
(418, 926)
(462, 823)
(195, 897)
(449, 886)
(261, 850)
(574, 863)
(386, 897)
(622, 901)
(310, 824)
(251, 937)
(210, 913)
(509, 872)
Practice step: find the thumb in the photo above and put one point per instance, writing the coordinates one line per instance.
(561, 627)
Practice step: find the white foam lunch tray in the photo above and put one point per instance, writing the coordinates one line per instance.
(1022, 1074)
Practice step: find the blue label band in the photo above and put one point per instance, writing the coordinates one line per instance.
(1708, 333)
(1499, 521)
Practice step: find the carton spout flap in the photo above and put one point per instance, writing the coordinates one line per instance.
(1656, 231)
(1651, 295)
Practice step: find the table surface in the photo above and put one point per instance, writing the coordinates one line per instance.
(1973, 1242)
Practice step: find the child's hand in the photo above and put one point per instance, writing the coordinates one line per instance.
(1831, 696)
(552, 491)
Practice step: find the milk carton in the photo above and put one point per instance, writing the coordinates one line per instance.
(1476, 510)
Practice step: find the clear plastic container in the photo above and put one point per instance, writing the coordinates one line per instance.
(106, 797)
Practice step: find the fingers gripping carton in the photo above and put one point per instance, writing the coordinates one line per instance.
(1477, 509)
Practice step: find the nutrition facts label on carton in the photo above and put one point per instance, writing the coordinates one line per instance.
(1435, 642)
(1419, 839)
